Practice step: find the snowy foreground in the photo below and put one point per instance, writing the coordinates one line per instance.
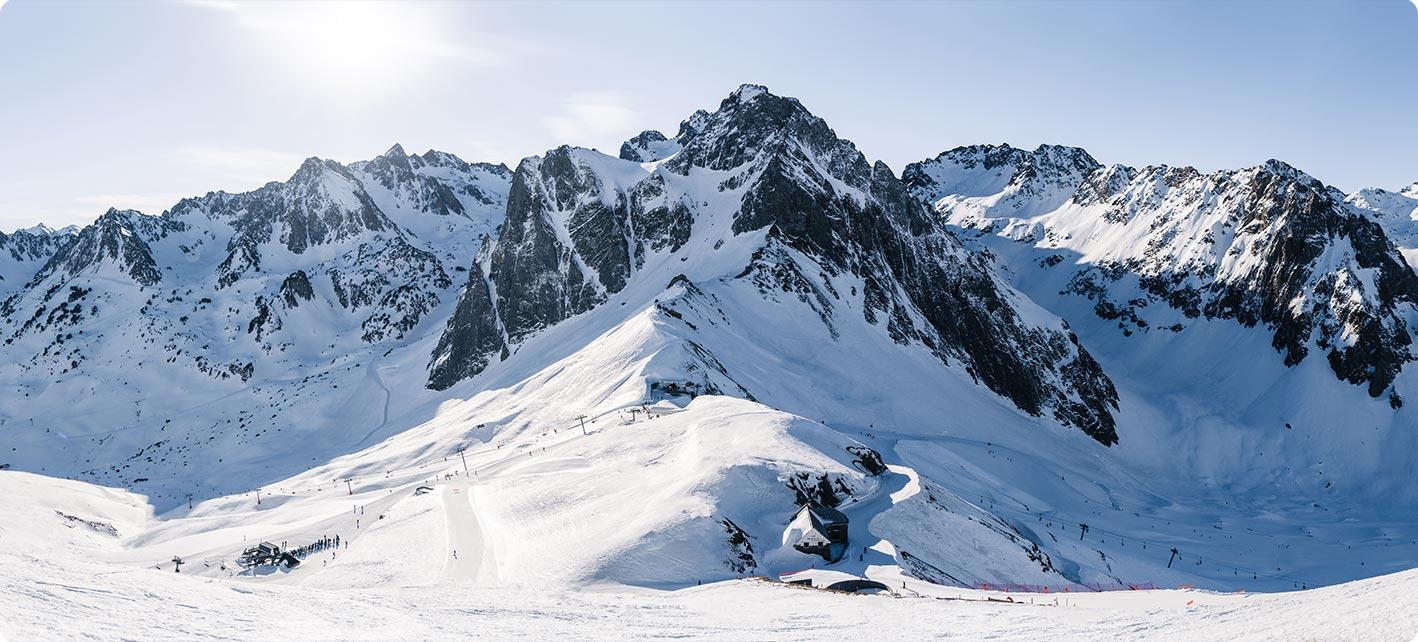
(42, 599)
(62, 578)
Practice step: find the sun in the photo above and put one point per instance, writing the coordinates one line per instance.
(346, 45)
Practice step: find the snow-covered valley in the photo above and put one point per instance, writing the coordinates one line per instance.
(587, 396)
(398, 580)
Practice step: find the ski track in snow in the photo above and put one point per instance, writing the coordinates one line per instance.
(373, 375)
(868, 554)
(465, 539)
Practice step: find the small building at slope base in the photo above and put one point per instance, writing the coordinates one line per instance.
(818, 530)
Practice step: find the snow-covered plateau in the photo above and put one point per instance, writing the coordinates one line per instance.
(588, 396)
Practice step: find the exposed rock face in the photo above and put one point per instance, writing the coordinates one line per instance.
(437, 182)
(1266, 246)
(320, 240)
(562, 280)
(1396, 213)
(290, 295)
(580, 225)
(377, 266)
(532, 278)
(115, 240)
(473, 337)
(296, 288)
(648, 146)
(322, 203)
(1026, 182)
(25, 251)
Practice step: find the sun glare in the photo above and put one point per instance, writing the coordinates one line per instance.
(347, 45)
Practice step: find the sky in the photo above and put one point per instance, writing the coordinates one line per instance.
(138, 104)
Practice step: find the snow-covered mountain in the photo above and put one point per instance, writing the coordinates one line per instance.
(1004, 366)
(1396, 212)
(1266, 246)
(225, 294)
(23, 252)
(763, 195)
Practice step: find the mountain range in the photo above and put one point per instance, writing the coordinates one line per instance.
(1005, 365)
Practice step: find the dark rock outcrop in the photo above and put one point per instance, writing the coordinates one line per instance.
(296, 288)
(117, 238)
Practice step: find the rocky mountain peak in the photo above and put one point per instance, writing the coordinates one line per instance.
(1063, 159)
(1027, 182)
(747, 92)
(1277, 191)
(690, 127)
(114, 241)
(580, 225)
(43, 231)
(38, 230)
(1044, 160)
(25, 251)
(649, 146)
(1266, 246)
(1284, 169)
(313, 169)
(396, 159)
(392, 167)
(439, 159)
(566, 178)
(994, 167)
(755, 125)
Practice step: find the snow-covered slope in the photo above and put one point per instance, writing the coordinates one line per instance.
(57, 578)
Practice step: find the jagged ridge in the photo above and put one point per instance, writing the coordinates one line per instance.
(580, 225)
(1268, 246)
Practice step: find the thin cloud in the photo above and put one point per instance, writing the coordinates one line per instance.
(484, 152)
(592, 115)
(404, 31)
(231, 6)
(55, 217)
(145, 203)
(252, 166)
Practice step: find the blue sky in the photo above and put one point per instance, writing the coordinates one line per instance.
(138, 104)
